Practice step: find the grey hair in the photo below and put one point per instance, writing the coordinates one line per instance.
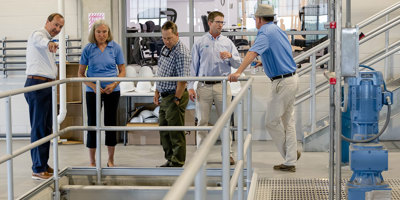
(92, 38)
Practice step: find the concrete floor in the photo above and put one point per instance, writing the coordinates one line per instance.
(265, 155)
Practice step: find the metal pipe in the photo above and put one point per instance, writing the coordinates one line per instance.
(234, 180)
(371, 62)
(252, 190)
(338, 111)
(111, 79)
(366, 61)
(183, 182)
(200, 183)
(312, 93)
(56, 178)
(308, 53)
(386, 70)
(10, 173)
(319, 90)
(379, 15)
(246, 144)
(98, 135)
(348, 13)
(323, 59)
(62, 67)
(191, 22)
(380, 29)
(93, 128)
(237, 33)
(249, 134)
(225, 147)
(331, 68)
(383, 50)
(240, 145)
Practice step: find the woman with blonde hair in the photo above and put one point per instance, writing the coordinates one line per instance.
(102, 57)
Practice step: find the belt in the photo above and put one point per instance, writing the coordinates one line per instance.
(167, 93)
(211, 82)
(40, 78)
(283, 76)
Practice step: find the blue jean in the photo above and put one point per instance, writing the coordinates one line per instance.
(40, 115)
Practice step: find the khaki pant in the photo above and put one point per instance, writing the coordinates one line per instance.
(207, 94)
(279, 118)
(173, 142)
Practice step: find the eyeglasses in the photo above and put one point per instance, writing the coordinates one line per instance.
(220, 22)
(163, 51)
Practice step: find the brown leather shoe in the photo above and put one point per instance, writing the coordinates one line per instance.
(41, 176)
(50, 170)
(231, 161)
(286, 168)
(298, 154)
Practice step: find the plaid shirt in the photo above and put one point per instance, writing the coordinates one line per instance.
(174, 62)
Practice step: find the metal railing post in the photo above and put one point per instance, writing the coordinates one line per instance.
(10, 173)
(312, 92)
(200, 183)
(386, 70)
(338, 100)
(4, 57)
(240, 148)
(225, 148)
(55, 144)
(98, 135)
(249, 132)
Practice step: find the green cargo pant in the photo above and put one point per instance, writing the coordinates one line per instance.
(173, 142)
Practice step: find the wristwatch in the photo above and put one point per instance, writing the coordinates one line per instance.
(177, 99)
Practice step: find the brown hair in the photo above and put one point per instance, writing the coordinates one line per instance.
(51, 16)
(170, 25)
(213, 15)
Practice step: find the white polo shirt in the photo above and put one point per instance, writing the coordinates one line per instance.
(39, 60)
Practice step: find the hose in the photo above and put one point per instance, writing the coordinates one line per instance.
(380, 132)
(372, 69)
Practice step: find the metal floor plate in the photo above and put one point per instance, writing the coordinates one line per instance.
(309, 189)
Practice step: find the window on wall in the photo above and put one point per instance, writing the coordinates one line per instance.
(141, 11)
(158, 12)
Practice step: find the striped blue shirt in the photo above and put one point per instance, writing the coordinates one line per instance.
(206, 60)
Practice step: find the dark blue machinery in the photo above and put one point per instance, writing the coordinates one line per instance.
(368, 158)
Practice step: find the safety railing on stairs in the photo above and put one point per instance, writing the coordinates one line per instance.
(198, 162)
(389, 49)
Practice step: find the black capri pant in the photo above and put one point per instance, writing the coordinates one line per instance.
(110, 102)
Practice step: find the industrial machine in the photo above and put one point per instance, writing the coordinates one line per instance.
(368, 157)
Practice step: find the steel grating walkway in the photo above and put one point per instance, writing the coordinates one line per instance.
(308, 189)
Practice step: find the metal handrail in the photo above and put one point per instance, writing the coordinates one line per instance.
(247, 143)
(182, 184)
(362, 24)
(5, 54)
(315, 89)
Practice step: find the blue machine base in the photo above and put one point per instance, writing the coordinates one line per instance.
(356, 193)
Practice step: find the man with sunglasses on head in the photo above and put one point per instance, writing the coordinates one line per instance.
(273, 46)
(212, 55)
(174, 61)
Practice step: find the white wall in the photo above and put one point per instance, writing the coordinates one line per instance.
(18, 18)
